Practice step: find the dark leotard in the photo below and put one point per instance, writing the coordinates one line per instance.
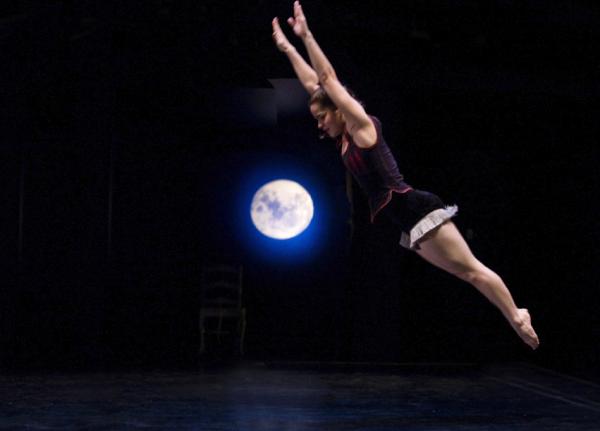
(375, 170)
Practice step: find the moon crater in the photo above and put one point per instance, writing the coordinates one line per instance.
(281, 209)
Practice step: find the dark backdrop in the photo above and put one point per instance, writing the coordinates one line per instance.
(127, 131)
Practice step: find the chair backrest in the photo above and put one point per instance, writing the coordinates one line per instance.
(221, 286)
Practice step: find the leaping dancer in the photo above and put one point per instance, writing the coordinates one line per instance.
(423, 219)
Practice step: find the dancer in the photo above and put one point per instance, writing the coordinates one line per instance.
(425, 222)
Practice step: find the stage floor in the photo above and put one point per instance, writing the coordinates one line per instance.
(305, 396)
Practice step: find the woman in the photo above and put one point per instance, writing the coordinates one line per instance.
(425, 222)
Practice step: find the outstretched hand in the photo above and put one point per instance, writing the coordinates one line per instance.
(306, 74)
(298, 22)
(281, 41)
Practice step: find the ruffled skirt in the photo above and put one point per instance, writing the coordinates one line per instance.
(428, 223)
(416, 213)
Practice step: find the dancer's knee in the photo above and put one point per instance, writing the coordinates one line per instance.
(475, 276)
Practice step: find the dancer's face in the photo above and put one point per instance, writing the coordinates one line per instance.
(329, 121)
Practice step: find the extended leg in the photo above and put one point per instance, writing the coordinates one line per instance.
(446, 249)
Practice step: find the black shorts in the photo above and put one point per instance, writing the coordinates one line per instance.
(406, 209)
(416, 212)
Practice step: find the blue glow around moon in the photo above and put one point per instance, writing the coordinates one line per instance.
(281, 209)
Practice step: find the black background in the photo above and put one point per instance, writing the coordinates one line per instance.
(123, 147)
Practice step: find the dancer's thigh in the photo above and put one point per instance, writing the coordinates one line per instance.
(446, 248)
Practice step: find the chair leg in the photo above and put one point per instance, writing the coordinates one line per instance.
(202, 345)
(219, 329)
(202, 336)
(242, 331)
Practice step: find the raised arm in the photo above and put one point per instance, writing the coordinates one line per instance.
(306, 74)
(358, 123)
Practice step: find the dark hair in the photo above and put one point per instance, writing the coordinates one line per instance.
(322, 98)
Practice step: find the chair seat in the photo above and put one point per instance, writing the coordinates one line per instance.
(217, 331)
(224, 312)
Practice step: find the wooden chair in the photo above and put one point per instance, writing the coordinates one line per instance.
(221, 313)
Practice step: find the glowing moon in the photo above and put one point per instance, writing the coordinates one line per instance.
(281, 209)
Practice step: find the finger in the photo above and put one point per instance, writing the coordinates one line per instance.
(275, 23)
(297, 9)
(291, 21)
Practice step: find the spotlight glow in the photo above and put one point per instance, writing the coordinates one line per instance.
(281, 209)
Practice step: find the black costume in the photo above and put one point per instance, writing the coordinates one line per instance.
(375, 169)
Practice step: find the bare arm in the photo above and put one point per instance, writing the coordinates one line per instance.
(306, 74)
(358, 123)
